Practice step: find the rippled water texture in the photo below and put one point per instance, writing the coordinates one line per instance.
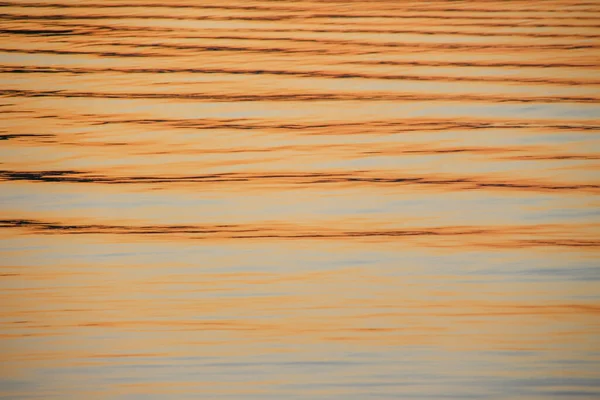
(299, 199)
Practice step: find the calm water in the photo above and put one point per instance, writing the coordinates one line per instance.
(299, 199)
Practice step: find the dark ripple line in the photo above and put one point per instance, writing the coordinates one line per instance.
(330, 128)
(307, 13)
(466, 183)
(177, 47)
(295, 232)
(24, 136)
(283, 50)
(367, 127)
(300, 97)
(476, 64)
(39, 32)
(303, 74)
(418, 45)
(274, 8)
(497, 153)
(403, 31)
(82, 52)
(137, 5)
(379, 30)
(464, 24)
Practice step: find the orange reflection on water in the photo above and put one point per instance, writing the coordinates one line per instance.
(302, 199)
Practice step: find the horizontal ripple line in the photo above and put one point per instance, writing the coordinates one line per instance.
(331, 50)
(392, 14)
(356, 177)
(228, 231)
(303, 74)
(301, 97)
(56, 32)
(330, 29)
(378, 29)
(398, 7)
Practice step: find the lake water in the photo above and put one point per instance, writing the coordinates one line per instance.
(299, 199)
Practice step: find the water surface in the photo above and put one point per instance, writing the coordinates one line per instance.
(299, 199)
